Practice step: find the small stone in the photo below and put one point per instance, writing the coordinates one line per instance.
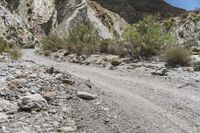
(18, 74)
(88, 83)
(67, 129)
(12, 87)
(11, 65)
(50, 70)
(86, 95)
(68, 81)
(162, 72)
(45, 88)
(3, 117)
(49, 96)
(59, 76)
(52, 111)
(32, 103)
(16, 82)
(110, 66)
(56, 56)
(115, 62)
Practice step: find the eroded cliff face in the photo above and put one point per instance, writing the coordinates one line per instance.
(13, 28)
(187, 29)
(26, 21)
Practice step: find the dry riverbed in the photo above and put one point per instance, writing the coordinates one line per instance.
(36, 98)
(39, 94)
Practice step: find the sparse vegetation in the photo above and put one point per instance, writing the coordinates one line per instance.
(12, 49)
(184, 15)
(81, 39)
(15, 53)
(169, 24)
(177, 56)
(52, 43)
(85, 33)
(142, 39)
(196, 66)
(3, 45)
(146, 37)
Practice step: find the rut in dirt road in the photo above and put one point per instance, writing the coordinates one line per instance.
(152, 104)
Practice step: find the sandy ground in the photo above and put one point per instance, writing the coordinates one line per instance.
(152, 104)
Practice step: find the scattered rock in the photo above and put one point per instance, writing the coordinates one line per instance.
(41, 100)
(49, 96)
(115, 62)
(50, 70)
(33, 102)
(67, 129)
(88, 83)
(3, 117)
(86, 95)
(68, 81)
(162, 72)
(12, 87)
(110, 66)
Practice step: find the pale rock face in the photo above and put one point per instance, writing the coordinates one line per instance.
(13, 29)
(110, 25)
(187, 31)
(31, 19)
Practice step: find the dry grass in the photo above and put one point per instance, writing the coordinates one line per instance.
(13, 50)
(177, 56)
(3, 45)
(196, 66)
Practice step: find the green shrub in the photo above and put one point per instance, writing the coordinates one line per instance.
(177, 56)
(169, 24)
(52, 43)
(196, 66)
(84, 33)
(15, 53)
(12, 49)
(83, 39)
(184, 15)
(103, 45)
(3, 45)
(146, 37)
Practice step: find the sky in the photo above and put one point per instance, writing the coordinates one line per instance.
(186, 4)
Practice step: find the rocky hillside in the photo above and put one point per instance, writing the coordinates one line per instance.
(22, 20)
(187, 28)
(133, 10)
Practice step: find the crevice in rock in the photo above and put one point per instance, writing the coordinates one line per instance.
(13, 4)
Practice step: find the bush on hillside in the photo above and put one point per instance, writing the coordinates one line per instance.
(84, 33)
(15, 53)
(196, 66)
(82, 39)
(169, 24)
(52, 43)
(177, 56)
(146, 37)
(3, 45)
(12, 49)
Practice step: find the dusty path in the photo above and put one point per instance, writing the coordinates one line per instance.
(151, 103)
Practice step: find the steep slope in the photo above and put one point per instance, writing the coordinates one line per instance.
(187, 29)
(133, 10)
(45, 17)
(13, 28)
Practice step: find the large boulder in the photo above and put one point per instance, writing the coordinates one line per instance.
(33, 102)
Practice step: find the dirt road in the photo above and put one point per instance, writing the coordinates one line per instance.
(152, 103)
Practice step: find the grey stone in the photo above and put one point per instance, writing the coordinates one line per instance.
(33, 102)
(162, 72)
(85, 95)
